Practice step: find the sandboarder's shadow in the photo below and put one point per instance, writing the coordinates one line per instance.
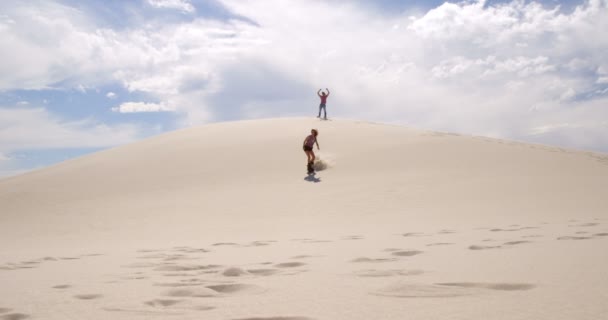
(311, 178)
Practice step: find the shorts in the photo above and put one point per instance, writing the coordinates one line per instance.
(307, 148)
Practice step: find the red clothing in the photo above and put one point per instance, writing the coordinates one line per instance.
(323, 98)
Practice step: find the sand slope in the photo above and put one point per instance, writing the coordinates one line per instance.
(222, 222)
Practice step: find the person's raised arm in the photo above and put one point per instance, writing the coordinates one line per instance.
(319, 92)
(327, 91)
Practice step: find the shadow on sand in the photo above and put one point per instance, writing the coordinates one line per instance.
(311, 178)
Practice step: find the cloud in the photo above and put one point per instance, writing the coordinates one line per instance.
(131, 107)
(111, 95)
(182, 5)
(37, 128)
(473, 67)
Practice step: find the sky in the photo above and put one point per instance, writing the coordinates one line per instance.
(81, 76)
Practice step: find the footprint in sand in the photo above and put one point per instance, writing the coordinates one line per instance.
(406, 253)
(263, 272)
(181, 274)
(573, 238)
(512, 243)
(439, 244)
(259, 243)
(192, 267)
(195, 293)
(88, 296)
(62, 286)
(446, 231)
(190, 250)
(290, 264)
(304, 256)
(218, 244)
(162, 302)
(589, 224)
(14, 316)
(387, 273)
(477, 247)
(603, 234)
(234, 272)
(533, 236)
(236, 288)
(166, 257)
(412, 234)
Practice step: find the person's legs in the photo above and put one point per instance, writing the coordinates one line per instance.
(324, 112)
(320, 106)
(309, 156)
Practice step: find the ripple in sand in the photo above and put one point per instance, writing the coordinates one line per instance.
(5, 310)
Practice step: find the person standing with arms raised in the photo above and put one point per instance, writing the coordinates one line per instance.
(323, 97)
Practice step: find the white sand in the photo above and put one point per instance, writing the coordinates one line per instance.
(221, 222)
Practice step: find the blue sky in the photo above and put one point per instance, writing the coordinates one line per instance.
(81, 76)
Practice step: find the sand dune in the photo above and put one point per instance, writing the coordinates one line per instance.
(222, 222)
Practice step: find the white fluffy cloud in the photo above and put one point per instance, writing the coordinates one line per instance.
(182, 5)
(132, 107)
(503, 70)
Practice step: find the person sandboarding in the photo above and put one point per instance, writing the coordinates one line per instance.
(308, 144)
(323, 98)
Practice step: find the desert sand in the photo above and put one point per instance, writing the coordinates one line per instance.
(222, 222)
